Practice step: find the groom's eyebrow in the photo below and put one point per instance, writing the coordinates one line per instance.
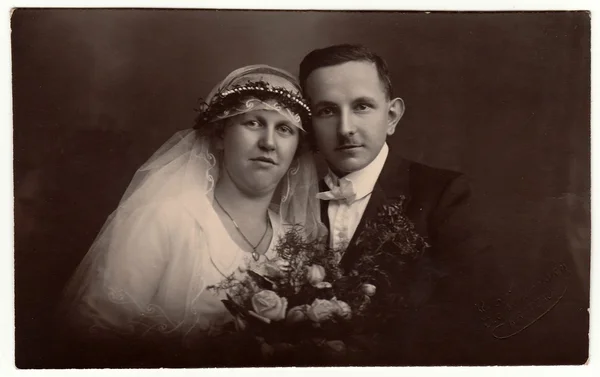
(364, 99)
(324, 103)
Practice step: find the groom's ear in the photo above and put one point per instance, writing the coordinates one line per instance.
(395, 112)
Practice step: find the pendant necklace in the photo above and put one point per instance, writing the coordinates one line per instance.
(255, 255)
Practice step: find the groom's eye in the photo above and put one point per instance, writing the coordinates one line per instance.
(325, 111)
(363, 107)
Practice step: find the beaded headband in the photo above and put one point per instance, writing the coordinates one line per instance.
(254, 95)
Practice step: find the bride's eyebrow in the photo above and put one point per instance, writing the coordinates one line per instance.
(249, 116)
(260, 117)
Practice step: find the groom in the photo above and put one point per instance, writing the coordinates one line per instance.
(353, 111)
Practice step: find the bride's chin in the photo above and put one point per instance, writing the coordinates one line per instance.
(261, 186)
(255, 183)
(262, 189)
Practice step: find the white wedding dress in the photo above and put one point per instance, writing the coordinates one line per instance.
(148, 271)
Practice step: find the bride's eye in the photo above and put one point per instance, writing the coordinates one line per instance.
(252, 124)
(285, 129)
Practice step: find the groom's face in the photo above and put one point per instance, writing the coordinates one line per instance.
(351, 114)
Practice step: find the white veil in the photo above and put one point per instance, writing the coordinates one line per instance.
(185, 169)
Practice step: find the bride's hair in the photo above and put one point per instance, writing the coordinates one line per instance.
(212, 131)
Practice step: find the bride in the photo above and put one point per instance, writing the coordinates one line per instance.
(210, 203)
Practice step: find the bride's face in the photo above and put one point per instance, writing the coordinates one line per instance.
(258, 148)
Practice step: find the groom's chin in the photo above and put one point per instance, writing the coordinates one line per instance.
(342, 167)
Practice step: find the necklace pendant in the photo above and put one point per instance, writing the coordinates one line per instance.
(255, 256)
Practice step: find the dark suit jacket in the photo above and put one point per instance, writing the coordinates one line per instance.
(445, 284)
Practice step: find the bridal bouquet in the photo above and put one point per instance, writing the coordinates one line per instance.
(304, 307)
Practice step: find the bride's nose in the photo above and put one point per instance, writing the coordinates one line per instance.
(267, 139)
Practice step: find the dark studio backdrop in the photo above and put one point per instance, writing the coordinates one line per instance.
(503, 97)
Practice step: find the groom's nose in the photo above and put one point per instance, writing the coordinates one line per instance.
(346, 123)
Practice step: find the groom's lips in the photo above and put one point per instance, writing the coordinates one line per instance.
(348, 146)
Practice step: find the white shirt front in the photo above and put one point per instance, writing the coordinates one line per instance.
(345, 215)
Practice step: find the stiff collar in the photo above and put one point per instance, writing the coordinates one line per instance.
(364, 180)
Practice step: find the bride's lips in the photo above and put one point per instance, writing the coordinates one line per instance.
(264, 159)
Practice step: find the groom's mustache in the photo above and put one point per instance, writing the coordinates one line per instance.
(346, 143)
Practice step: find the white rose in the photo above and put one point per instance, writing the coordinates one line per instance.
(268, 305)
(321, 310)
(343, 310)
(297, 314)
(315, 274)
(369, 289)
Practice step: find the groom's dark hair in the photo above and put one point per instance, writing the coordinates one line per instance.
(343, 53)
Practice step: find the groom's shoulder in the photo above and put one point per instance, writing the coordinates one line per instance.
(419, 173)
(426, 184)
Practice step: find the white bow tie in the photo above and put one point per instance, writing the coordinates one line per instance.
(342, 191)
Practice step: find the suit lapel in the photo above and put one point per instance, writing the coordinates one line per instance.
(324, 205)
(377, 199)
(392, 183)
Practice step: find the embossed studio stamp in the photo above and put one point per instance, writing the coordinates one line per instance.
(513, 312)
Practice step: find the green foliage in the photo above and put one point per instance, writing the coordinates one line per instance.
(387, 245)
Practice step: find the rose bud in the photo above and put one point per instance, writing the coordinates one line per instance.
(364, 305)
(324, 291)
(272, 271)
(343, 310)
(267, 350)
(284, 265)
(267, 304)
(276, 268)
(240, 324)
(335, 349)
(315, 274)
(323, 285)
(321, 310)
(369, 289)
(283, 347)
(297, 314)
(337, 346)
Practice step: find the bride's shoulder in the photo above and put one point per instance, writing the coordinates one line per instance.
(166, 210)
(166, 206)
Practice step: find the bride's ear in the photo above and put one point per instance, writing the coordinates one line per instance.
(295, 163)
(219, 135)
(303, 146)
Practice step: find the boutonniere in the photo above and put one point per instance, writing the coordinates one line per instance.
(390, 237)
